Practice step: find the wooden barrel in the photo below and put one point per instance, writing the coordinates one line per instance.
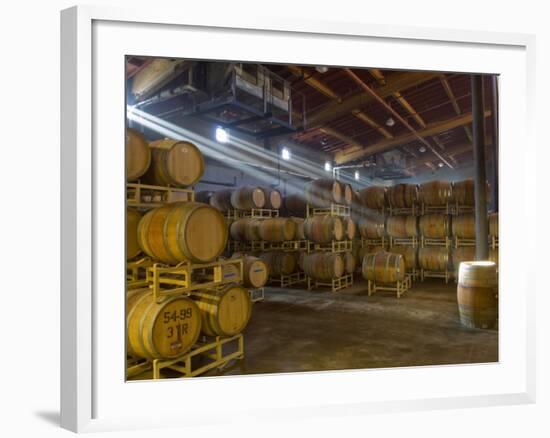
(323, 192)
(476, 294)
(350, 229)
(463, 192)
(279, 262)
(462, 254)
(247, 198)
(349, 262)
(273, 198)
(434, 226)
(360, 252)
(224, 312)
(402, 195)
(255, 270)
(493, 224)
(383, 267)
(245, 230)
(161, 330)
(324, 265)
(435, 193)
(299, 228)
(138, 155)
(175, 163)
(221, 200)
(464, 226)
(402, 227)
(433, 258)
(372, 227)
(132, 220)
(180, 232)
(409, 253)
(372, 197)
(324, 229)
(348, 194)
(295, 204)
(276, 229)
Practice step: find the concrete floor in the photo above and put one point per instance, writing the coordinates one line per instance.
(300, 330)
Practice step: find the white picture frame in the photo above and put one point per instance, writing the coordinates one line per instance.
(93, 395)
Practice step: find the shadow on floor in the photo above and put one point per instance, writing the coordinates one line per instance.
(52, 417)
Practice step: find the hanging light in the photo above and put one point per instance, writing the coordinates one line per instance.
(221, 135)
(390, 121)
(440, 164)
(422, 149)
(285, 154)
(321, 69)
(356, 175)
(328, 166)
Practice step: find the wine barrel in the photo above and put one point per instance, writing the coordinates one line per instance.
(462, 254)
(175, 163)
(476, 294)
(434, 226)
(299, 228)
(255, 270)
(247, 198)
(273, 199)
(323, 192)
(402, 195)
(245, 230)
(350, 229)
(348, 195)
(372, 197)
(372, 227)
(349, 263)
(463, 192)
(224, 312)
(295, 204)
(279, 262)
(493, 255)
(493, 224)
(132, 220)
(221, 200)
(434, 258)
(324, 229)
(161, 330)
(435, 193)
(464, 226)
(138, 155)
(180, 232)
(402, 226)
(324, 265)
(277, 229)
(383, 267)
(409, 253)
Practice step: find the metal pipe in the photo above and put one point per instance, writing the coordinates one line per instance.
(478, 122)
(494, 191)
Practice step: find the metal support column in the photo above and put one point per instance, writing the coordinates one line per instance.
(494, 160)
(480, 179)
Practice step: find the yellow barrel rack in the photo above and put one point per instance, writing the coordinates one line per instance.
(333, 210)
(149, 196)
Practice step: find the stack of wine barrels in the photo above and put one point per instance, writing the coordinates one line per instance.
(324, 266)
(322, 193)
(373, 197)
(435, 193)
(434, 258)
(463, 192)
(434, 226)
(279, 262)
(464, 226)
(402, 227)
(372, 226)
(324, 228)
(248, 198)
(383, 267)
(402, 195)
(477, 294)
(410, 255)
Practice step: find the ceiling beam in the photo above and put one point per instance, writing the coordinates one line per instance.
(405, 104)
(400, 81)
(378, 75)
(356, 153)
(315, 83)
(361, 115)
(380, 100)
(454, 103)
(342, 137)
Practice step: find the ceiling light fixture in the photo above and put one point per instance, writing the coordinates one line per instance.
(390, 121)
(285, 154)
(221, 135)
(357, 175)
(422, 149)
(328, 166)
(321, 69)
